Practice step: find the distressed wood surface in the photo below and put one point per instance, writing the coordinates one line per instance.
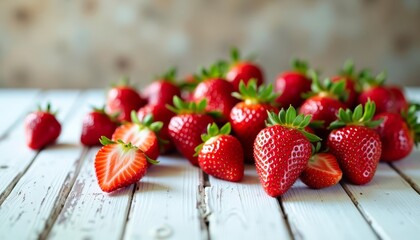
(409, 168)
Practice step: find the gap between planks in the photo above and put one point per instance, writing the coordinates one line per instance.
(406, 178)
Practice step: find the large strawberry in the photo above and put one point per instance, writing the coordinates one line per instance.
(41, 128)
(122, 99)
(243, 70)
(95, 124)
(140, 134)
(221, 155)
(398, 134)
(282, 150)
(292, 84)
(119, 164)
(347, 74)
(355, 144)
(248, 117)
(186, 127)
(162, 90)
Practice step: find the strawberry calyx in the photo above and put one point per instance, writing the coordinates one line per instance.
(101, 110)
(123, 82)
(290, 119)
(359, 117)
(168, 76)
(410, 117)
(216, 70)
(367, 80)
(348, 69)
(252, 94)
(235, 57)
(300, 66)
(147, 122)
(182, 107)
(212, 131)
(47, 109)
(336, 90)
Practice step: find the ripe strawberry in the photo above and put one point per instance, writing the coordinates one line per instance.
(41, 128)
(95, 124)
(357, 147)
(243, 70)
(122, 99)
(400, 100)
(186, 127)
(292, 84)
(398, 133)
(352, 87)
(162, 91)
(248, 117)
(282, 150)
(119, 164)
(221, 155)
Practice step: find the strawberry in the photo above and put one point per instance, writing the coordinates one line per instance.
(282, 150)
(119, 164)
(221, 155)
(162, 91)
(322, 170)
(357, 147)
(41, 128)
(347, 74)
(186, 127)
(248, 117)
(292, 84)
(243, 70)
(122, 99)
(398, 133)
(140, 134)
(399, 97)
(95, 124)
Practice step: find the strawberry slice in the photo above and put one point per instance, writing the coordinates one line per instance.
(322, 171)
(118, 165)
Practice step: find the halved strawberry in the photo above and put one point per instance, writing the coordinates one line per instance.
(119, 164)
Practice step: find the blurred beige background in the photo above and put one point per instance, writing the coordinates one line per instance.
(90, 43)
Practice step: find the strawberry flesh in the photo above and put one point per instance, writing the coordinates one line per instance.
(322, 171)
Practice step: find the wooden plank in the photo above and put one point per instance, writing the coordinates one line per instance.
(389, 204)
(409, 168)
(165, 202)
(315, 214)
(243, 210)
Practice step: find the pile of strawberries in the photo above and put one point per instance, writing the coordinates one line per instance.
(225, 116)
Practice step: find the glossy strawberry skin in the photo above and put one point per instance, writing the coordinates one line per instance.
(185, 131)
(381, 96)
(244, 71)
(247, 120)
(358, 151)
(222, 157)
(400, 101)
(96, 124)
(396, 137)
(351, 90)
(322, 171)
(281, 154)
(161, 92)
(291, 86)
(41, 129)
(123, 99)
(322, 108)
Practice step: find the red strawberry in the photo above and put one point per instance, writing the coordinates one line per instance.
(221, 155)
(118, 165)
(243, 70)
(96, 124)
(248, 117)
(352, 87)
(399, 97)
(186, 127)
(291, 85)
(122, 99)
(357, 147)
(282, 150)
(398, 134)
(140, 134)
(162, 91)
(41, 128)
(162, 114)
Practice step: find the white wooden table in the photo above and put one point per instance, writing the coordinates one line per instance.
(53, 193)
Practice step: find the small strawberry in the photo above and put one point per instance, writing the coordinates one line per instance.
(243, 70)
(248, 117)
(357, 147)
(292, 84)
(398, 133)
(282, 150)
(162, 91)
(140, 134)
(186, 127)
(221, 155)
(119, 164)
(95, 124)
(122, 99)
(347, 73)
(41, 128)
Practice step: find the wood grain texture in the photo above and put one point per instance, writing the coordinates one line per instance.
(165, 202)
(389, 203)
(409, 168)
(243, 210)
(324, 214)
